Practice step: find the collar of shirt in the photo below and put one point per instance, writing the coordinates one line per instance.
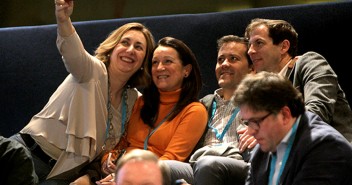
(284, 69)
(280, 151)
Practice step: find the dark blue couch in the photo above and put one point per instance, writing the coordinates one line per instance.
(31, 67)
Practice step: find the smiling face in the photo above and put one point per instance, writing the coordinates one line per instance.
(128, 54)
(232, 65)
(264, 54)
(168, 71)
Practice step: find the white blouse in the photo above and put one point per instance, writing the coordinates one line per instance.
(71, 127)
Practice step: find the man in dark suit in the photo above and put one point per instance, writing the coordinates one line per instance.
(273, 47)
(294, 146)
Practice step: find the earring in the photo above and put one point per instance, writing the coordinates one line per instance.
(142, 68)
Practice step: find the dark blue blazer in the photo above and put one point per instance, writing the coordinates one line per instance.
(320, 155)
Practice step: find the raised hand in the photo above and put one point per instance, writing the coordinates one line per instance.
(63, 11)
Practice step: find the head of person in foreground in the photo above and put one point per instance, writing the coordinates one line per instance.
(142, 167)
(269, 107)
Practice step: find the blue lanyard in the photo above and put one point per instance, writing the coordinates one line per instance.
(124, 114)
(284, 160)
(217, 134)
(152, 131)
(124, 111)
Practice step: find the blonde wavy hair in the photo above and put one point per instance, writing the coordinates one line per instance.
(141, 78)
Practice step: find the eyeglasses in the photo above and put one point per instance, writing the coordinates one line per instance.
(254, 123)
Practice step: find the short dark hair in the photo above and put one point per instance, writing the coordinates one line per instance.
(279, 30)
(267, 91)
(234, 38)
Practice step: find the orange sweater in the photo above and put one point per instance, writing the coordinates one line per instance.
(175, 139)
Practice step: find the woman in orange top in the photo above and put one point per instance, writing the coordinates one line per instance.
(168, 119)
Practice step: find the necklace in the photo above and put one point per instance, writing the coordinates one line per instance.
(109, 132)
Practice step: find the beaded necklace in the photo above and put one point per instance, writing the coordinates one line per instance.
(109, 132)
